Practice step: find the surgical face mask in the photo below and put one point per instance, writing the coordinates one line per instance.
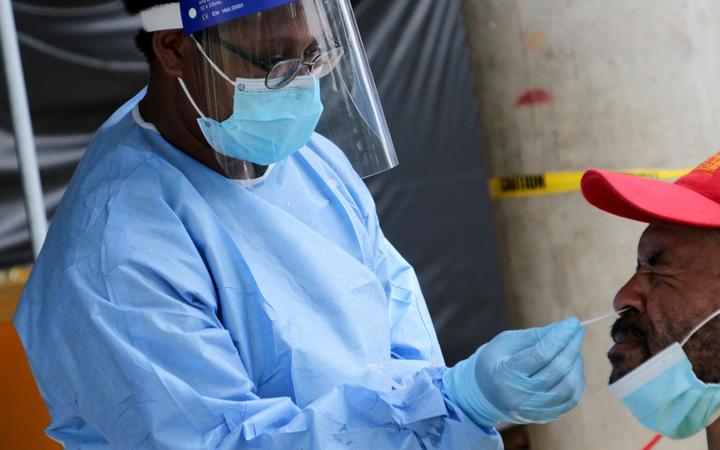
(266, 125)
(666, 396)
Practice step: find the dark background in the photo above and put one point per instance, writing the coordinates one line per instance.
(80, 64)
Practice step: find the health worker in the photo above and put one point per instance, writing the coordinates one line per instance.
(216, 277)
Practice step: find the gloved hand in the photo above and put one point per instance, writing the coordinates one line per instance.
(524, 376)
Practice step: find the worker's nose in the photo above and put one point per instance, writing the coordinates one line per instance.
(633, 294)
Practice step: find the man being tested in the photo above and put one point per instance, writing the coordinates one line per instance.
(216, 277)
(665, 365)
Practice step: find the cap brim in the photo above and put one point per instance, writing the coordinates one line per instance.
(648, 200)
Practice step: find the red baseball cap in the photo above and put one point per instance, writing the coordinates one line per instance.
(693, 199)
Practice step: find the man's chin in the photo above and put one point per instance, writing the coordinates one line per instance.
(617, 374)
(624, 360)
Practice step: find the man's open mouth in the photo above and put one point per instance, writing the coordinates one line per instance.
(630, 349)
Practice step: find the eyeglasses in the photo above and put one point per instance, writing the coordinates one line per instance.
(283, 72)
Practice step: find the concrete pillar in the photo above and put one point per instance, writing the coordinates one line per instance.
(564, 85)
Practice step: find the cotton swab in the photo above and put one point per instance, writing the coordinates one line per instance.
(604, 317)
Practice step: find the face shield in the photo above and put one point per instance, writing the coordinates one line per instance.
(268, 74)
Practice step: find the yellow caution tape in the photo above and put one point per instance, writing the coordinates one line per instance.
(550, 183)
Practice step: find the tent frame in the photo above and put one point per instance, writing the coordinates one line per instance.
(22, 126)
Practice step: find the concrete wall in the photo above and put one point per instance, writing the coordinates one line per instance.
(571, 84)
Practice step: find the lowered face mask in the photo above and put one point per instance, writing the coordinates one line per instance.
(266, 125)
(666, 396)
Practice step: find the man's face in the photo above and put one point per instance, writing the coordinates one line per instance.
(676, 286)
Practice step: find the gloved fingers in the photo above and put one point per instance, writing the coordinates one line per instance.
(561, 365)
(510, 342)
(547, 415)
(564, 391)
(579, 390)
(544, 414)
(538, 355)
(516, 340)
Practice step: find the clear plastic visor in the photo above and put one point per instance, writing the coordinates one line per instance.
(284, 49)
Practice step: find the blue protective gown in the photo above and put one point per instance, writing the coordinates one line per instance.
(173, 308)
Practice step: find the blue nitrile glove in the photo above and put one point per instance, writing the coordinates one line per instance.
(524, 376)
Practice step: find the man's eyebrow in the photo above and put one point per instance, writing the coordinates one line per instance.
(655, 258)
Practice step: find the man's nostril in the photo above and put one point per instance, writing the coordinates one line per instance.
(628, 311)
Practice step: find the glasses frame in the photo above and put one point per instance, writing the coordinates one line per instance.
(270, 64)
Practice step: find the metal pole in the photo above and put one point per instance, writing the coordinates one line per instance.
(22, 124)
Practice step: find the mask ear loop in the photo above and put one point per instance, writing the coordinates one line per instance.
(700, 325)
(189, 97)
(211, 62)
(215, 68)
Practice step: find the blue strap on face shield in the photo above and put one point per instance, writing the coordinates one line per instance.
(198, 15)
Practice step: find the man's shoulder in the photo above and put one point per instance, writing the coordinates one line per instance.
(120, 184)
(118, 161)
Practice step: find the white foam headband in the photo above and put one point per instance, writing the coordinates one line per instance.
(162, 17)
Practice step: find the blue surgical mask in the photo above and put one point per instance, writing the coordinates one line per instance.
(266, 125)
(666, 396)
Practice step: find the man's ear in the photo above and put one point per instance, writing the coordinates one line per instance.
(170, 47)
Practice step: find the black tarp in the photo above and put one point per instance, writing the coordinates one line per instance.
(81, 64)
